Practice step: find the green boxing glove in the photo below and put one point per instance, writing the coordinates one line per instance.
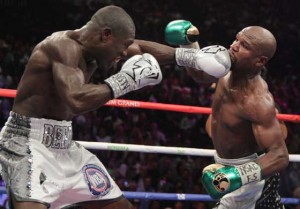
(181, 32)
(219, 180)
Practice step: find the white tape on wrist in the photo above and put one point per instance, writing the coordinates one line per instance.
(186, 57)
(249, 172)
(120, 83)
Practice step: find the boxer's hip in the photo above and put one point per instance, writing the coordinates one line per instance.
(52, 134)
(40, 162)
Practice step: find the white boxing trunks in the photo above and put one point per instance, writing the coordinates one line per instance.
(41, 163)
(256, 195)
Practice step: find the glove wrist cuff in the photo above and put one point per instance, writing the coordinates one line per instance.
(186, 57)
(120, 84)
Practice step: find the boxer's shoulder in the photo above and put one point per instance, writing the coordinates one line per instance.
(62, 45)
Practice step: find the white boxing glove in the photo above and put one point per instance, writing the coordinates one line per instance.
(214, 60)
(137, 72)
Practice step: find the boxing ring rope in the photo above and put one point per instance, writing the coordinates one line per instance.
(160, 106)
(161, 149)
(187, 197)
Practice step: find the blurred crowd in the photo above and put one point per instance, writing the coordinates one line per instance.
(24, 23)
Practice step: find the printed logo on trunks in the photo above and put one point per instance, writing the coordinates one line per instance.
(221, 182)
(96, 179)
(57, 137)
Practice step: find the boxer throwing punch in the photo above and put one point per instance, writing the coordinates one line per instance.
(41, 164)
(250, 148)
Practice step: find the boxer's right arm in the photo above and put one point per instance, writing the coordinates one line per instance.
(213, 60)
(184, 34)
(80, 96)
(76, 94)
(136, 72)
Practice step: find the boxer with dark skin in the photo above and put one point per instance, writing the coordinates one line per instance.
(243, 119)
(56, 86)
(64, 63)
(243, 110)
(49, 169)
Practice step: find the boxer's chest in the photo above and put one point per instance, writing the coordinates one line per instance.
(227, 107)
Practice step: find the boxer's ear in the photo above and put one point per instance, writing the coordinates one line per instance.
(261, 61)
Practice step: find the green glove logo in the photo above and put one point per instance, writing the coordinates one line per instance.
(221, 182)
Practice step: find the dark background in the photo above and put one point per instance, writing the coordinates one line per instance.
(23, 23)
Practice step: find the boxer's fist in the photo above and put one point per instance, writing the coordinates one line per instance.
(137, 72)
(181, 32)
(219, 180)
(214, 60)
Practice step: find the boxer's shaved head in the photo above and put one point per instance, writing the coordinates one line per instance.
(262, 38)
(114, 18)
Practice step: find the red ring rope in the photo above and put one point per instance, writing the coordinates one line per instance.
(159, 106)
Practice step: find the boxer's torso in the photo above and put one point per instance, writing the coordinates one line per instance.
(232, 132)
(37, 95)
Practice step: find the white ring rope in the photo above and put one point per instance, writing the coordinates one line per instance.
(159, 149)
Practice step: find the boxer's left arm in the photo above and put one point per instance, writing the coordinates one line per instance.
(164, 54)
(269, 137)
(282, 125)
(219, 180)
(208, 64)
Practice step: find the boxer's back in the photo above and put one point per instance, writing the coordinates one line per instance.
(37, 95)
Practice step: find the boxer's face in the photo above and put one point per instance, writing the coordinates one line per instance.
(113, 52)
(244, 50)
(111, 49)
